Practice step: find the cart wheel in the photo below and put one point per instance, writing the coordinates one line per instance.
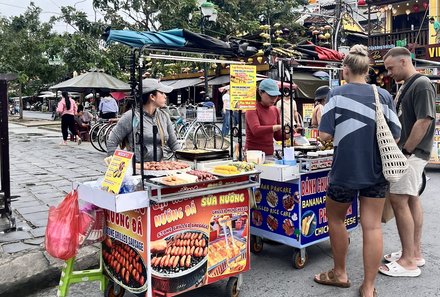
(256, 244)
(232, 287)
(298, 263)
(114, 290)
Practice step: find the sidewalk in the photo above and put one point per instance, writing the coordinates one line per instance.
(42, 173)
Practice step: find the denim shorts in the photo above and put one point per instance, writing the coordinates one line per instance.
(346, 195)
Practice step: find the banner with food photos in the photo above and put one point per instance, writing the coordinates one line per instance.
(313, 219)
(124, 250)
(198, 241)
(243, 88)
(277, 211)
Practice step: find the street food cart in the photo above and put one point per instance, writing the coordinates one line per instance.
(170, 239)
(290, 207)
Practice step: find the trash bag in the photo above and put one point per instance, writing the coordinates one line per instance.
(62, 231)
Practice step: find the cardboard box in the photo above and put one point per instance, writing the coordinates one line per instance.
(278, 172)
(116, 203)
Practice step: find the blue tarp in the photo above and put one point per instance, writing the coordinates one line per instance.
(178, 39)
(169, 38)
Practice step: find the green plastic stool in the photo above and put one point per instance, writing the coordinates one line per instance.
(69, 276)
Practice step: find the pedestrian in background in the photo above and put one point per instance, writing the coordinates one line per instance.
(108, 107)
(67, 108)
(226, 111)
(289, 107)
(320, 97)
(349, 118)
(416, 111)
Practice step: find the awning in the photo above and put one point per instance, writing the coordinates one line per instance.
(307, 84)
(181, 83)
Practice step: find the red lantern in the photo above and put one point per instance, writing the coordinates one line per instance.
(416, 8)
(362, 2)
(425, 5)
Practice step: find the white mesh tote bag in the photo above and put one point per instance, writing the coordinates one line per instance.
(394, 162)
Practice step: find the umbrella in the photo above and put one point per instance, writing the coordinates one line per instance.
(92, 80)
(118, 95)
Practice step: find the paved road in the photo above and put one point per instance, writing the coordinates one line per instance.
(272, 274)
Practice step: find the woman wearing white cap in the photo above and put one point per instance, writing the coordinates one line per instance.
(153, 98)
(264, 123)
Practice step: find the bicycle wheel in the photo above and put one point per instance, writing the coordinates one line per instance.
(208, 136)
(102, 136)
(105, 135)
(94, 132)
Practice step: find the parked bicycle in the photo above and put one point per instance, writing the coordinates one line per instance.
(100, 132)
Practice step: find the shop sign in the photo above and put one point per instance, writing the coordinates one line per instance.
(433, 52)
(116, 171)
(243, 87)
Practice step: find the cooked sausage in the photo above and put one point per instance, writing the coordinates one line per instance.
(205, 251)
(171, 261)
(123, 272)
(176, 261)
(200, 236)
(182, 261)
(153, 261)
(162, 261)
(127, 277)
(165, 262)
(192, 250)
(182, 251)
(173, 250)
(188, 261)
(141, 280)
(168, 251)
(192, 242)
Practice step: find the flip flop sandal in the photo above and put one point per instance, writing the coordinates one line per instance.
(395, 269)
(393, 256)
(329, 278)
(396, 256)
(361, 292)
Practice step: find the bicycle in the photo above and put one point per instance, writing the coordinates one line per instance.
(100, 132)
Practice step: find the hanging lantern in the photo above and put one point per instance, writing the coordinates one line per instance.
(327, 27)
(382, 10)
(394, 11)
(407, 11)
(260, 59)
(315, 32)
(390, 6)
(361, 2)
(327, 35)
(381, 76)
(425, 5)
(376, 71)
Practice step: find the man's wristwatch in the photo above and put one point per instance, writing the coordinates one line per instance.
(406, 153)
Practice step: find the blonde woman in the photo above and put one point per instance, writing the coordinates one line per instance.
(349, 119)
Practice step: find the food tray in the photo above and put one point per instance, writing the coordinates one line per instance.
(181, 179)
(218, 269)
(202, 154)
(159, 173)
(232, 175)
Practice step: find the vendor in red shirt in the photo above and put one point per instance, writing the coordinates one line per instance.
(264, 123)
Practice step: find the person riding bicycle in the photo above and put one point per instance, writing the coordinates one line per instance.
(153, 99)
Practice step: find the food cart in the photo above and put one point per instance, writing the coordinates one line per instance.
(290, 208)
(172, 238)
(168, 237)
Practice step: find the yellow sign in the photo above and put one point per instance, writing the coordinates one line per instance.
(243, 87)
(116, 171)
(307, 110)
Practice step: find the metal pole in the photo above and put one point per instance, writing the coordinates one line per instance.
(231, 133)
(205, 65)
(4, 148)
(240, 145)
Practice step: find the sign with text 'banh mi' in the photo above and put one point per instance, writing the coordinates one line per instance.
(243, 87)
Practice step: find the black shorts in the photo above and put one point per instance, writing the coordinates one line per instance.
(346, 195)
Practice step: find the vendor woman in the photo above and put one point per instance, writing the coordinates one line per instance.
(153, 98)
(264, 123)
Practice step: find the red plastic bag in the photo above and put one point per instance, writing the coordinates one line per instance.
(62, 231)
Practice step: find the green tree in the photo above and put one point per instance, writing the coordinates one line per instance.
(25, 46)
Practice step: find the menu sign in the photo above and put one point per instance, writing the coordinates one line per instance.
(116, 170)
(243, 87)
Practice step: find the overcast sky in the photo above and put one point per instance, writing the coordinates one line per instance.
(50, 8)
